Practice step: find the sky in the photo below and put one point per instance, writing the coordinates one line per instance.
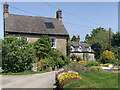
(79, 18)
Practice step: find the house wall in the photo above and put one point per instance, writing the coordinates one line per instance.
(91, 57)
(79, 54)
(88, 56)
(61, 41)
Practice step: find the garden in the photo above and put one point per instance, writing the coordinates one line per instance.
(85, 75)
(79, 73)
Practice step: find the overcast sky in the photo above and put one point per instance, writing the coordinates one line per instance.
(79, 18)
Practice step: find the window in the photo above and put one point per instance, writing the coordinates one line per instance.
(53, 41)
(72, 49)
(25, 37)
(49, 25)
(88, 49)
(80, 48)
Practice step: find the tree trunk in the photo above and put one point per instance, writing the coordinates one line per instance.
(40, 59)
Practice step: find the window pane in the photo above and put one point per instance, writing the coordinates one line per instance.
(53, 41)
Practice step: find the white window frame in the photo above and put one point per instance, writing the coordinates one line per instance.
(54, 42)
(27, 39)
(80, 49)
(72, 48)
(89, 49)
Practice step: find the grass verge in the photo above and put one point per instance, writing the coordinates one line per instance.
(101, 79)
(24, 73)
(79, 84)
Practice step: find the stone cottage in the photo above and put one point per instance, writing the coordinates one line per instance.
(82, 49)
(33, 27)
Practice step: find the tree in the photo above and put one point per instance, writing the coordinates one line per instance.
(96, 31)
(87, 37)
(73, 38)
(42, 47)
(17, 54)
(116, 39)
(107, 57)
(97, 48)
(101, 36)
(68, 49)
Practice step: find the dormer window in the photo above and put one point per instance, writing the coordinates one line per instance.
(72, 49)
(49, 25)
(88, 49)
(80, 49)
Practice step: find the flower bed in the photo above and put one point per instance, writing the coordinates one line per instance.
(107, 64)
(63, 78)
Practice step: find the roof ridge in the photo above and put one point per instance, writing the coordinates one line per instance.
(32, 16)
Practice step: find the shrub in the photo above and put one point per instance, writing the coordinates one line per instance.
(93, 63)
(94, 69)
(75, 57)
(67, 68)
(55, 58)
(78, 58)
(17, 54)
(82, 62)
(59, 58)
(49, 62)
(73, 64)
(107, 57)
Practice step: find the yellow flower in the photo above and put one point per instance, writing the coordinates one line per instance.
(67, 76)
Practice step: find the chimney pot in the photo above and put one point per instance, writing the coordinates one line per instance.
(6, 6)
(78, 38)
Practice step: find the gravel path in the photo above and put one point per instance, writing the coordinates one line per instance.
(42, 80)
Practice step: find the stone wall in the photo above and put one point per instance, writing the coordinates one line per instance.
(88, 56)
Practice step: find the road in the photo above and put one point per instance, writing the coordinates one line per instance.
(42, 80)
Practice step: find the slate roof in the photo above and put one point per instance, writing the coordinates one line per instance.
(76, 45)
(33, 25)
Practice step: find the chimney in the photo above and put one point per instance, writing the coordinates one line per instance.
(78, 38)
(6, 6)
(59, 15)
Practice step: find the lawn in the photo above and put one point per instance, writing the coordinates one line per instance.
(23, 73)
(101, 79)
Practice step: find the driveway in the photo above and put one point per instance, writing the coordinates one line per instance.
(42, 80)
